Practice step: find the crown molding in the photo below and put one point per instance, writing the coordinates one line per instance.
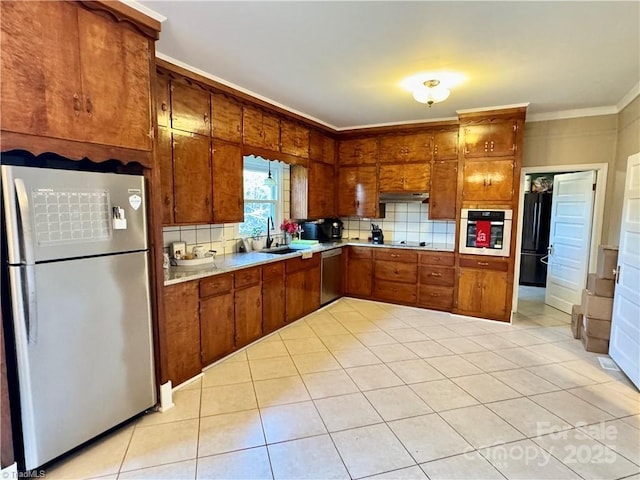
(629, 97)
(144, 9)
(497, 107)
(393, 124)
(565, 114)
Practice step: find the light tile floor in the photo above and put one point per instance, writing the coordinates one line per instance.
(364, 389)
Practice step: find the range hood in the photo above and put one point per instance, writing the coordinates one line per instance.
(404, 197)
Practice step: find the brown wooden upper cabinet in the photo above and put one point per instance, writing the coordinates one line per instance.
(64, 76)
(321, 201)
(164, 161)
(226, 115)
(228, 184)
(445, 145)
(260, 129)
(192, 178)
(488, 181)
(358, 192)
(400, 178)
(322, 148)
(359, 151)
(163, 100)
(405, 148)
(294, 139)
(491, 139)
(443, 190)
(190, 109)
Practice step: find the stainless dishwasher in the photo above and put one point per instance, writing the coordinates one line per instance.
(331, 271)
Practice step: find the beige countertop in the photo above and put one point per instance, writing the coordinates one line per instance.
(237, 261)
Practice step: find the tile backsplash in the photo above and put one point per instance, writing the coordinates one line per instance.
(404, 221)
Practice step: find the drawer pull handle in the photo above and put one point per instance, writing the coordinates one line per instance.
(394, 255)
(434, 294)
(434, 274)
(483, 264)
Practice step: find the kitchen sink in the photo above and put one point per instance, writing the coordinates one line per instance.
(280, 251)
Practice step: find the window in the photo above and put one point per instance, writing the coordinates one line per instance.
(260, 200)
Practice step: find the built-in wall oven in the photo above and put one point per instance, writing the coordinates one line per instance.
(485, 232)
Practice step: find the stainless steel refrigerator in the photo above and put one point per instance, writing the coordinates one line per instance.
(536, 224)
(77, 261)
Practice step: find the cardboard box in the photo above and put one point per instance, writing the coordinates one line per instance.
(576, 321)
(596, 307)
(597, 328)
(602, 287)
(592, 344)
(607, 261)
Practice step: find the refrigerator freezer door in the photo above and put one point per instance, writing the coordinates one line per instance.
(56, 214)
(90, 367)
(532, 271)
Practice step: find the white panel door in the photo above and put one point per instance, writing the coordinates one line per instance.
(569, 239)
(624, 346)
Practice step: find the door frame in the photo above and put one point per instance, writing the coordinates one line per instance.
(601, 170)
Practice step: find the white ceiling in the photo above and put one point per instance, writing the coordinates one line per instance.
(341, 62)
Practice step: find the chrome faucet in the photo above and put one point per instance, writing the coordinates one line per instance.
(269, 239)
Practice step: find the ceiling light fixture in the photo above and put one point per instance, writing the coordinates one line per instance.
(430, 92)
(270, 181)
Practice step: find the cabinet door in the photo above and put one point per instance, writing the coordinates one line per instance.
(40, 62)
(359, 277)
(490, 139)
(182, 332)
(443, 191)
(360, 151)
(347, 184)
(416, 177)
(116, 82)
(164, 157)
(252, 126)
(311, 289)
(273, 303)
(391, 178)
(191, 178)
(248, 313)
(226, 118)
(488, 180)
(494, 293)
(367, 193)
(295, 295)
(322, 148)
(470, 290)
(163, 101)
(405, 148)
(190, 109)
(271, 132)
(329, 153)
(445, 145)
(228, 187)
(295, 139)
(217, 328)
(321, 193)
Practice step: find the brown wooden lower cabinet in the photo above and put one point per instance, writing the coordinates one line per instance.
(435, 298)
(182, 330)
(273, 297)
(248, 314)
(302, 291)
(395, 292)
(359, 272)
(483, 293)
(217, 328)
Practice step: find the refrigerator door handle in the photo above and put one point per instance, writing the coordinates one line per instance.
(26, 237)
(536, 224)
(28, 280)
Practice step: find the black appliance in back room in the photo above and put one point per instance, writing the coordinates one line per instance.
(536, 225)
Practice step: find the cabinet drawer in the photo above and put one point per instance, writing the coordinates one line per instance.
(246, 277)
(396, 255)
(438, 298)
(443, 259)
(360, 252)
(298, 263)
(485, 264)
(443, 276)
(215, 285)
(272, 270)
(395, 292)
(396, 271)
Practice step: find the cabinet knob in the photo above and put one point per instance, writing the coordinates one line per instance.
(164, 106)
(89, 106)
(205, 117)
(77, 104)
(395, 270)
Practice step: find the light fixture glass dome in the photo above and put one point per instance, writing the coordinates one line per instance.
(430, 92)
(270, 181)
